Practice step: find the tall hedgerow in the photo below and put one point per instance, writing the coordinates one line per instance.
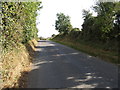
(18, 23)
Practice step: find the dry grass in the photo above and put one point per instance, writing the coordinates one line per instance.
(15, 63)
(109, 56)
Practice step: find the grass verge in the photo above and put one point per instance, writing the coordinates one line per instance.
(109, 56)
(16, 65)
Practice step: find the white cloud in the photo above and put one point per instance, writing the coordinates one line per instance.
(73, 8)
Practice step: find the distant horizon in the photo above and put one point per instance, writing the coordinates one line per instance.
(47, 17)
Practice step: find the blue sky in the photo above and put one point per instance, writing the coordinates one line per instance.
(47, 16)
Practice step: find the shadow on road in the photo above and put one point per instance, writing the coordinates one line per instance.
(54, 68)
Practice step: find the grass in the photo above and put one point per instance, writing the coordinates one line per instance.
(16, 64)
(91, 49)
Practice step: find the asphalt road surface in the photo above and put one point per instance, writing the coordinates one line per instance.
(58, 66)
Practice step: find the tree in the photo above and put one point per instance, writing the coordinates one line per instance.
(63, 24)
(75, 29)
(88, 24)
(106, 13)
(101, 27)
(116, 31)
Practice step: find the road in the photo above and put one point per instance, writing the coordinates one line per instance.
(58, 66)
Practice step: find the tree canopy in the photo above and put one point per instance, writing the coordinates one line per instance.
(63, 24)
(102, 27)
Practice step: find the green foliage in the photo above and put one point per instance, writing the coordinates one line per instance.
(18, 23)
(102, 27)
(102, 31)
(88, 25)
(63, 24)
(75, 29)
(74, 34)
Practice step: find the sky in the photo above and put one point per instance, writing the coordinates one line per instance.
(47, 15)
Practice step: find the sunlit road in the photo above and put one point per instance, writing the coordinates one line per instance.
(58, 66)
